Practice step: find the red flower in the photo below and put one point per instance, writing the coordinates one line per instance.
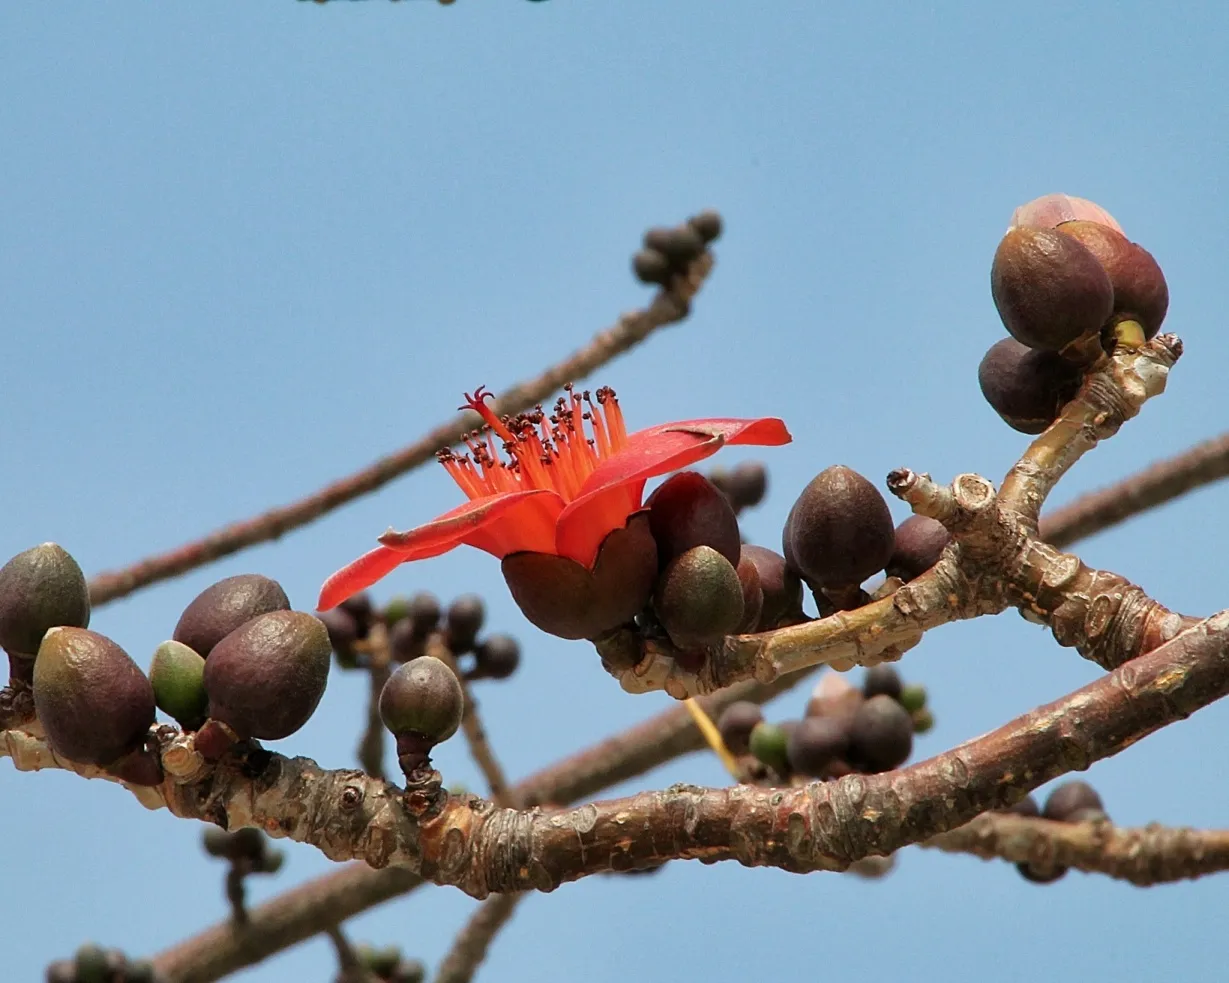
(560, 493)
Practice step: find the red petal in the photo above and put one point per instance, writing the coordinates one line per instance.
(359, 575)
(612, 491)
(499, 524)
(588, 521)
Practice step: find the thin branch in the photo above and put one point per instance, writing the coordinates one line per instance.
(1155, 485)
(667, 307)
(1151, 854)
(379, 658)
(470, 947)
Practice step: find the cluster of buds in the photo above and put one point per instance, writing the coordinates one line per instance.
(844, 731)
(1071, 802)
(1069, 286)
(240, 665)
(669, 252)
(94, 964)
(410, 622)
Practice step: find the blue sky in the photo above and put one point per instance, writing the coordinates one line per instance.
(247, 248)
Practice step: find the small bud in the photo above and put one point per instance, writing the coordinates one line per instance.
(680, 245)
(222, 607)
(1049, 289)
(423, 698)
(39, 589)
(1140, 291)
(923, 721)
(62, 971)
(1070, 798)
(1027, 806)
(816, 743)
(918, 543)
(92, 964)
(408, 971)
(562, 598)
(177, 675)
(651, 267)
(362, 610)
(707, 224)
(266, 678)
(1027, 389)
(736, 723)
(882, 680)
(464, 620)
(746, 485)
(403, 642)
(140, 971)
(753, 594)
(699, 598)
(397, 609)
(93, 701)
(343, 633)
(383, 960)
(1050, 211)
(780, 587)
(620, 649)
(688, 510)
(880, 736)
(839, 531)
(424, 613)
(913, 697)
(768, 743)
(496, 657)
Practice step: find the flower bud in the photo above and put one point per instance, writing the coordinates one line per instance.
(222, 607)
(840, 530)
(423, 698)
(1049, 290)
(882, 680)
(680, 244)
(736, 723)
(699, 598)
(753, 594)
(562, 598)
(651, 267)
(918, 544)
(39, 589)
(912, 697)
(768, 743)
(93, 701)
(1051, 211)
(463, 622)
(1140, 291)
(687, 511)
(266, 678)
(880, 735)
(707, 224)
(816, 743)
(177, 675)
(1028, 389)
(780, 587)
(1071, 798)
(496, 657)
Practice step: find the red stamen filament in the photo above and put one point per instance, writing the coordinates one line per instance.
(554, 454)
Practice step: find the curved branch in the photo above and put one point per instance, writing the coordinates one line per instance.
(1152, 854)
(667, 307)
(483, 849)
(1155, 485)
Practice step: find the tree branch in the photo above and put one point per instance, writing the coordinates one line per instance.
(470, 947)
(483, 849)
(667, 307)
(1160, 483)
(1153, 854)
